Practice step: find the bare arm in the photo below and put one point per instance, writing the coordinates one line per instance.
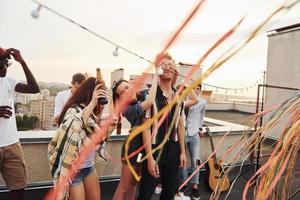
(181, 137)
(147, 140)
(151, 163)
(192, 100)
(152, 94)
(88, 110)
(31, 86)
(202, 115)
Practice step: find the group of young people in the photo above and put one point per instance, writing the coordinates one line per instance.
(78, 119)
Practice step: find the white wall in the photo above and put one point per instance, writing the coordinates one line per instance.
(242, 107)
(283, 67)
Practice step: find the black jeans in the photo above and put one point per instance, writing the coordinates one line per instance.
(169, 167)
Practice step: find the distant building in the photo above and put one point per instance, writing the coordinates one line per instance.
(147, 80)
(116, 75)
(183, 69)
(26, 98)
(45, 94)
(22, 109)
(43, 110)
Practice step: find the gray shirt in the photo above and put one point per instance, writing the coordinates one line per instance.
(194, 120)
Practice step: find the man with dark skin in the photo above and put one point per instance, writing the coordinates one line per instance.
(12, 166)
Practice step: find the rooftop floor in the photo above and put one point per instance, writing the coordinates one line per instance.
(108, 185)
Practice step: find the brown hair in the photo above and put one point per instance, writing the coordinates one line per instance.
(114, 88)
(162, 56)
(83, 95)
(79, 78)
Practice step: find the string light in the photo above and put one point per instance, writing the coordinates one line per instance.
(36, 12)
(116, 52)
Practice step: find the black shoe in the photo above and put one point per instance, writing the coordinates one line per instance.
(195, 194)
(183, 189)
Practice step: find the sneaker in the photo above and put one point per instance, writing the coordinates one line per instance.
(181, 196)
(195, 194)
(158, 189)
(184, 189)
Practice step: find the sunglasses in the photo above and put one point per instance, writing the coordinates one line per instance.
(116, 84)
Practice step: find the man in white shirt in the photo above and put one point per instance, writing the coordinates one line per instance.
(12, 166)
(194, 123)
(63, 96)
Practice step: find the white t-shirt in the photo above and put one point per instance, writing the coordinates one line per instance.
(60, 101)
(8, 127)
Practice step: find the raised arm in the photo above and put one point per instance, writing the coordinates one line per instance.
(152, 94)
(88, 110)
(192, 99)
(31, 86)
(181, 136)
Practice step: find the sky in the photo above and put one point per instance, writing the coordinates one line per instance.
(56, 49)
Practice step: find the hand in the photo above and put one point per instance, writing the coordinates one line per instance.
(153, 167)
(182, 160)
(98, 92)
(16, 54)
(114, 120)
(5, 112)
(102, 153)
(201, 134)
(56, 119)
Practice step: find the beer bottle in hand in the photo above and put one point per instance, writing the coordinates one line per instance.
(101, 100)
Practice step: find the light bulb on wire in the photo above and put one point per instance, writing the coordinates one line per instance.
(116, 52)
(36, 12)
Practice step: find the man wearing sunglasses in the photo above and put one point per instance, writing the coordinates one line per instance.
(12, 166)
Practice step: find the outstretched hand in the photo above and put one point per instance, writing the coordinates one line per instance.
(5, 112)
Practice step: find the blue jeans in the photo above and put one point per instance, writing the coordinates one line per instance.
(82, 174)
(193, 146)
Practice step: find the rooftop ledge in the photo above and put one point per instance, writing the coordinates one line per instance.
(219, 127)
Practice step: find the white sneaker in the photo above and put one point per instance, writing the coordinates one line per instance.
(181, 196)
(158, 190)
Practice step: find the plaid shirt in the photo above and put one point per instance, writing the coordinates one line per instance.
(72, 133)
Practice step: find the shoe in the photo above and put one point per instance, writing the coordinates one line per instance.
(158, 189)
(181, 196)
(195, 194)
(183, 189)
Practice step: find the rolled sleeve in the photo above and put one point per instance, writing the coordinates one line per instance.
(134, 112)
